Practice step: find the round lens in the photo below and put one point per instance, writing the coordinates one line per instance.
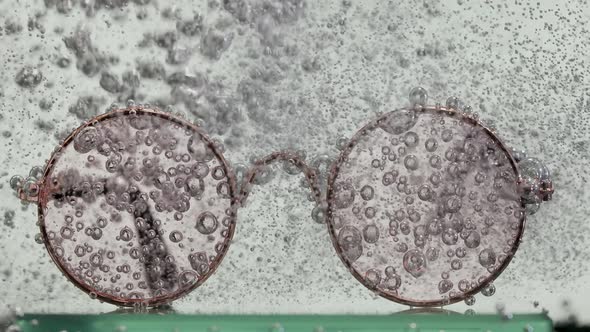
(423, 206)
(137, 206)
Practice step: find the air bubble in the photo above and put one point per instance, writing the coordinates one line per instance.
(376, 163)
(96, 259)
(398, 122)
(39, 238)
(404, 227)
(370, 212)
(16, 182)
(487, 258)
(401, 247)
(463, 285)
(454, 103)
(126, 234)
(460, 252)
(418, 96)
(390, 271)
(411, 139)
(187, 278)
(36, 172)
(95, 233)
(175, 236)
(392, 283)
(198, 149)
(450, 236)
(199, 262)
(218, 173)
(444, 286)
(435, 161)
(434, 227)
(413, 215)
(480, 177)
(367, 193)
(66, 232)
(488, 290)
(472, 240)
(200, 170)
(318, 214)
(415, 263)
(87, 139)
(447, 135)
(430, 144)
(373, 278)
(206, 223)
(195, 186)
(264, 175)
(371, 233)
(456, 264)
(411, 162)
(343, 195)
(432, 254)
(453, 204)
(425, 192)
(389, 178)
(531, 168)
(31, 187)
(349, 239)
(532, 208)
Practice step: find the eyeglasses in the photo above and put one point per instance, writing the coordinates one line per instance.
(425, 206)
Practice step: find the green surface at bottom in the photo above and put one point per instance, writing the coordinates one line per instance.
(431, 322)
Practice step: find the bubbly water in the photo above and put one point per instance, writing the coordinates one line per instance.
(260, 76)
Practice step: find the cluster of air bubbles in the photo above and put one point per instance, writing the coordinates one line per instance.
(29, 77)
(28, 187)
(536, 184)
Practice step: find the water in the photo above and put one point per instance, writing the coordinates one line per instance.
(300, 76)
